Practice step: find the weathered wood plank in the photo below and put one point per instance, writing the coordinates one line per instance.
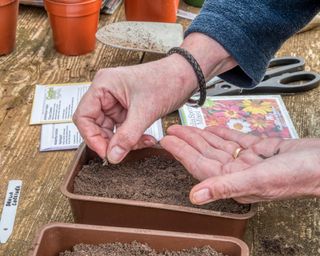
(35, 61)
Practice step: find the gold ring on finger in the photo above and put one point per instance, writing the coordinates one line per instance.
(236, 153)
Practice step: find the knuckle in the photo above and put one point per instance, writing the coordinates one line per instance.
(101, 72)
(127, 141)
(194, 167)
(222, 190)
(206, 151)
(231, 146)
(256, 149)
(227, 168)
(75, 117)
(180, 152)
(100, 77)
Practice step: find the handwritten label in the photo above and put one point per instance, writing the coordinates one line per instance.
(9, 209)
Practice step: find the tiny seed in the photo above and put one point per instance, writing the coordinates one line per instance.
(105, 162)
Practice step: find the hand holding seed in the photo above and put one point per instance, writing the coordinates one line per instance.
(125, 98)
(264, 169)
(132, 98)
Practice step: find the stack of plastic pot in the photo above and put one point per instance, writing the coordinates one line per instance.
(74, 24)
(8, 25)
(155, 10)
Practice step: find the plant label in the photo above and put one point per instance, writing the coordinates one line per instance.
(9, 209)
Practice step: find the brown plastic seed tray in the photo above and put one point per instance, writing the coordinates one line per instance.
(58, 237)
(147, 215)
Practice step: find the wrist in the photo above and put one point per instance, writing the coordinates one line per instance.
(211, 56)
(183, 72)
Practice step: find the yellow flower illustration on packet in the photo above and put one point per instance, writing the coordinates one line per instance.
(256, 106)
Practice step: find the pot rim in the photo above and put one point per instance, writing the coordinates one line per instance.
(65, 3)
(72, 10)
(137, 231)
(7, 2)
(177, 208)
(68, 2)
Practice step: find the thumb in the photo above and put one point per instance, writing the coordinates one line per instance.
(126, 137)
(233, 185)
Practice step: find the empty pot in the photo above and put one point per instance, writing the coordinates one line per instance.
(155, 10)
(74, 25)
(8, 25)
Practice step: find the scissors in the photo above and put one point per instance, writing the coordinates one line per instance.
(284, 75)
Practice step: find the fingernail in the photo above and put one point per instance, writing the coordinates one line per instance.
(149, 143)
(201, 196)
(116, 154)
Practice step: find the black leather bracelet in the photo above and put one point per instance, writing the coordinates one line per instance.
(197, 70)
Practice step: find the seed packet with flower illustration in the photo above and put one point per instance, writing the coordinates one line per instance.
(258, 115)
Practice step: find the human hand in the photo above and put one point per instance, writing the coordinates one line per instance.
(266, 168)
(132, 98)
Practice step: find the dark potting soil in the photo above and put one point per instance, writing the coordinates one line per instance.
(133, 249)
(154, 179)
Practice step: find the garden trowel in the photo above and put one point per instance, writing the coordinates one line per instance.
(142, 36)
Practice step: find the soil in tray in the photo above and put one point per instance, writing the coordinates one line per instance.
(154, 179)
(133, 249)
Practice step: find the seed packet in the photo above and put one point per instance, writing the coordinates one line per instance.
(258, 115)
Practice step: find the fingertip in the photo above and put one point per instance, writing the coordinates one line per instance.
(100, 152)
(98, 146)
(148, 140)
(75, 117)
(147, 143)
(191, 198)
(166, 140)
(116, 154)
(173, 128)
(201, 196)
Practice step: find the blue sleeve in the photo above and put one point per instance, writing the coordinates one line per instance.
(252, 31)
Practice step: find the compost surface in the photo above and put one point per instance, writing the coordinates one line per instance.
(133, 249)
(154, 179)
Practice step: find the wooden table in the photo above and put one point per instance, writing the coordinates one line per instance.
(296, 223)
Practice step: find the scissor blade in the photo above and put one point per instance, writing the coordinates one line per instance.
(224, 89)
(213, 81)
(290, 83)
(283, 65)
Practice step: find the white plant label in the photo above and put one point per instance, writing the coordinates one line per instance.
(9, 210)
(186, 15)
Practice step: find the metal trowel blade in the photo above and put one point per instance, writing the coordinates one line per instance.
(142, 36)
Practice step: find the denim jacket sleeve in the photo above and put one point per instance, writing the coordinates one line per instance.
(252, 31)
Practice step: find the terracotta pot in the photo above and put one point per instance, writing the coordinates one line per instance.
(196, 3)
(55, 238)
(70, 1)
(142, 214)
(155, 10)
(74, 25)
(8, 25)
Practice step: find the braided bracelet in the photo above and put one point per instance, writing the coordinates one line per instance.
(197, 70)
